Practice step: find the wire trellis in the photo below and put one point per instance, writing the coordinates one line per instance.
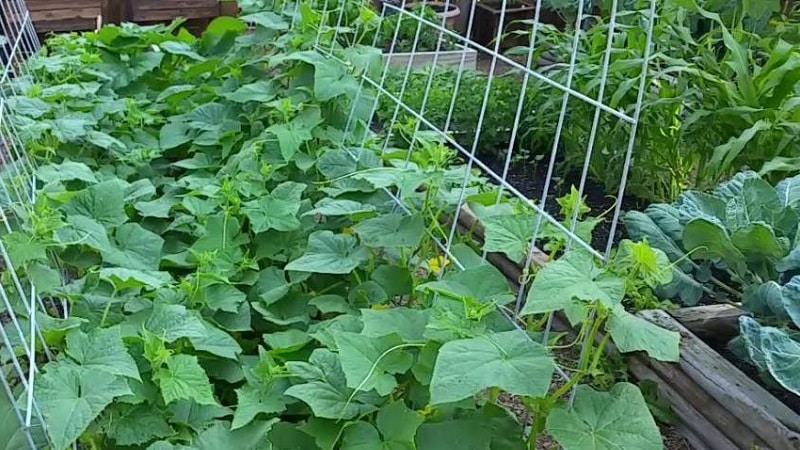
(20, 302)
(376, 87)
(23, 345)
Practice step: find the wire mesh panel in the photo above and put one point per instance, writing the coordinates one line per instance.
(514, 109)
(23, 345)
(570, 103)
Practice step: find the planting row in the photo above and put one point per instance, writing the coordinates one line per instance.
(720, 100)
(719, 96)
(246, 265)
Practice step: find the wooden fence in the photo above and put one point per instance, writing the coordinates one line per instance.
(78, 15)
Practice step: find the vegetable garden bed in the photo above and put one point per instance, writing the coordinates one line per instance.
(719, 406)
(443, 58)
(77, 15)
(168, 10)
(241, 278)
(470, 225)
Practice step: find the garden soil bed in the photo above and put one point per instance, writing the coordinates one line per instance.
(716, 330)
(720, 407)
(529, 179)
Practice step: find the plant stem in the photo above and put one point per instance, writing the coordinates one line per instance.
(493, 394)
(599, 352)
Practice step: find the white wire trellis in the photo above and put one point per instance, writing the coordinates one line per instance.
(23, 346)
(20, 301)
(468, 152)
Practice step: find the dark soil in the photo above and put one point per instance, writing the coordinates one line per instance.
(529, 179)
(785, 397)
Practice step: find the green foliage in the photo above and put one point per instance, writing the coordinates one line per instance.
(717, 99)
(748, 229)
(238, 275)
(465, 102)
(745, 226)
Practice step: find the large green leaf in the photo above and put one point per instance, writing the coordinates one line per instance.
(220, 436)
(129, 278)
(66, 171)
(569, 282)
(391, 230)
(330, 253)
(278, 210)
(174, 134)
(172, 322)
(102, 350)
(758, 242)
(774, 351)
(290, 436)
(331, 207)
(325, 389)
(134, 248)
(260, 91)
(371, 362)
(789, 192)
(484, 284)
(103, 202)
(221, 232)
(258, 398)
(408, 323)
(783, 357)
(509, 234)
(293, 134)
(71, 397)
(510, 361)
(704, 239)
(490, 428)
(136, 424)
(631, 333)
(398, 425)
(614, 420)
(184, 378)
(695, 204)
(196, 416)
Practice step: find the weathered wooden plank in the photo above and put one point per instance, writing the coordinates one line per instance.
(692, 424)
(77, 15)
(719, 321)
(769, 420)
(44, 5)
(66, 25)
(65, 14)
(170, 14)
(144, 5)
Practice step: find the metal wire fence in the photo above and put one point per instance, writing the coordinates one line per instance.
(24, 347)
(526, 71)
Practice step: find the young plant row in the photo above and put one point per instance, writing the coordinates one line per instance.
(719, 97)
(245, 267)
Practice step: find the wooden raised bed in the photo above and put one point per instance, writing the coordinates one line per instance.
(167, 10)
(76, 15)
(717, 406)
(446, 58)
